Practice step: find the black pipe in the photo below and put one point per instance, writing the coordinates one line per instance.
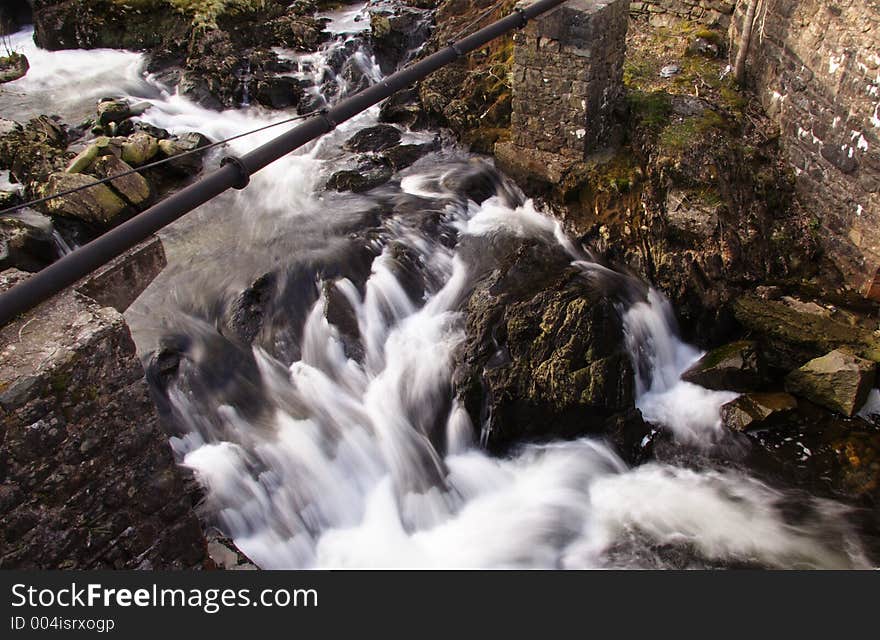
(235, 172)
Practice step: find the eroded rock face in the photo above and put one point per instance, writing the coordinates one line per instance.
(544, 356)
(839, 381)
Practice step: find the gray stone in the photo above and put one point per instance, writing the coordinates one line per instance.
(568, 81)
(118, 283)
(734, 367)
(133, 187)
(89, 478)
(838, 381)
(97, 204)
(757, 411)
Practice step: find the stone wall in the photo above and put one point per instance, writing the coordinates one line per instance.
(567, 81)
(816, 66)
(87, 476)
(665, 13)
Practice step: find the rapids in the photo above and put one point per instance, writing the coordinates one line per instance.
(314, 457)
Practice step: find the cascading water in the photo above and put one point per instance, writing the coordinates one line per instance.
(319, 450)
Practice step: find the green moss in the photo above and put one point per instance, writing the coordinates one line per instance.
(650, 109)
(709, 35)
(689, 131)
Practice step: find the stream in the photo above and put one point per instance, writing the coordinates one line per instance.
(314, 452)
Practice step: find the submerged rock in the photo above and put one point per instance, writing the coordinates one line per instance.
(369, 175)
(738, 366)
(838, 381)
(377, 138)
(13, 67)
(756, 410)
(404, 155)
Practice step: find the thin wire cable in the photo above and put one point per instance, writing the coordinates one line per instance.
(479, 19)
(157, 163)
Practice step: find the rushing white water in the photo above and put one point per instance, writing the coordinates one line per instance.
(342, 466)
(690, 411)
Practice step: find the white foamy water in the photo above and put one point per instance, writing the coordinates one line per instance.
(69, 83)
(691, 412)
(371, 462)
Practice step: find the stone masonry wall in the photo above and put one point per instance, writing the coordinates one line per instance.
(87, 477)
(567, 77)
(665, 13)
(816, 66)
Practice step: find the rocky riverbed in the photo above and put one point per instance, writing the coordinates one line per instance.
(448, 337)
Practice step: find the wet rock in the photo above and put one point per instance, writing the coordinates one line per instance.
(139, 149)
(738, 366)
(369, 174)
(112, 110)
(757, 411)
(394, 30)
(13, 67)
(402, 108)
(134, 188)
(838, 381)
(189, 164)
(377, 138)
(404, 155)
(792, 332)
(97, 204)
(278, 92)
(25, 241)
(33, 151)
(544, 355)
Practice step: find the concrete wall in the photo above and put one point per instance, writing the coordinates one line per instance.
(665, 13)
(816, 67)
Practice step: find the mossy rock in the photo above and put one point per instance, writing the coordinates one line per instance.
(791, 336)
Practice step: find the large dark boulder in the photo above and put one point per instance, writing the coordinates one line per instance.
(544, 356)
(377, 138)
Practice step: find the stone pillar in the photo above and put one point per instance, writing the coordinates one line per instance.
(567, 82)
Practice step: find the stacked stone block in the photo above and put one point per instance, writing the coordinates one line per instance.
(816, 67)
(665, 13)
(567, 78)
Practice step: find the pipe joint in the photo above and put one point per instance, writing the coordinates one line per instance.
(244, 176)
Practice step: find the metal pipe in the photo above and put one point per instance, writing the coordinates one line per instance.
(235, 172)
